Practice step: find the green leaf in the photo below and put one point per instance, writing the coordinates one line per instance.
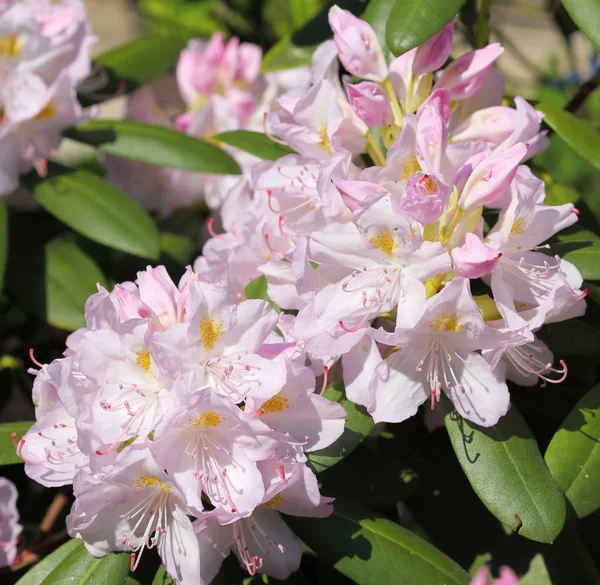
(507, 472)
(162, 578)
(37, 574)
(255, 143)
(586, 15)
(179, 248)
(358, 426)
(284, 54)
(558, 194)
(285, 16)
(71, 277)
(579, 134)
(573, 454)
(8, 455)
(572, 337)
(79, 567)
(373, 551)
(412, 22)
(95, 208)
(257, 289)
(584, 254)
(155, 145)
(377, 15)
(144, 59)
(3, 240)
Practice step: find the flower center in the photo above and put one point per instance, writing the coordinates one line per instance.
(385, 242)
(48, 112)
(208, 420)
(447, 323)
(10, 45)
(276, 404)
(210, 329)
(150, 480)
(411, 166)
(518, 227)
(324, 141)
(276, 500)
(144, 360)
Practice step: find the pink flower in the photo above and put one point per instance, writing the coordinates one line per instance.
(432, 54)
(10, 529)
(507, 577)
(474, 259)
(425, 198)
(370, 103)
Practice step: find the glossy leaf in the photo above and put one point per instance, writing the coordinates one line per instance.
(79, 567)
(71, 277)
(99, 211)
(8, 455)
(558, 194)
(377, 15)
(586, 15)
(584, 254)
(155, 145)
(412, 22)
(358, 426)
(372, 550)
(38, 573)
(255, 143)
(507, 471)
(162, 578)
(257, 289)
(571, 337)
(573, 454)
(3, 240)
(579, 134)
(144, 59)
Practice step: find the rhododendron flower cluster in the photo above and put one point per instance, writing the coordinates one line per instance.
(45, 51)
(10, 529)
(406, 232)
(178, 402)
(219, 87)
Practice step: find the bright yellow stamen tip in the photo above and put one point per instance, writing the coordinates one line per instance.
(208, 420)
(385, 242)
(10, 45)
(276, 404)
(144, 360)
(447, 323)
(276, 500)
(210, 329)
(149, 480)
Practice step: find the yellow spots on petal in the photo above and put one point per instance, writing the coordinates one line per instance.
(48, 112)
(429, 184)
(447, 323)
(208, 420)
(518, 227)
(144, 360)
(411, 166)
(151, 481)
(10, 45)
(324, 141)
(385, 242)
(276, 404)
(275, 501)
(210, 329)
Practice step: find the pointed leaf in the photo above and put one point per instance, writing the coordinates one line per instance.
(507, 471)
(584, 254)
(358, 426)
(255, 143)
(162, 577)
(8, 456)
(579, 134)
(586, 15)
(257, 289)
(412, 22)
(155, 145)
(41, 570)
(100, 211)
(373, 551)
(573, 454)
(71, 277)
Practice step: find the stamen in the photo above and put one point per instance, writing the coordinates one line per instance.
(32, 358)
(325, 372)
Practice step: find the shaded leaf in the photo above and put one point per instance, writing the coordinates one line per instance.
(573, 454)
(98, 210)
(155, 145)
(8, 455)
(162, 578)
(358, 426)
(572, 337)
(3, 240)
(37, 574)
(507, 471)
(586, 15)
(177, 247)
(257, 289)
(255, 143)
(412, 23)
(584, 254)
(372, 550)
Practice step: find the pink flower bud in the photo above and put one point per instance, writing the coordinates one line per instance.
(432, 54)
(355, 192)
(357, 44)
(474, 259)
(440, 100)
(425, 198)
(432, 139)
(370, 103)
(492, 177)
(468, 73)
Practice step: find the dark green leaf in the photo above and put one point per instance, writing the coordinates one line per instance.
(144, 59)
(255, 143)
(177, 247)
(155, 145)
(37, 574)
(577, 133)
(358, 426)
(507, 471)
(100, 211)
(8, 455)
(374, 551)
(412, 22)
(584, 254)
(572, 337)
(3, 240)
(162, 578)
(586, 15)
(71, 277)
(257, 289)
(573, 455)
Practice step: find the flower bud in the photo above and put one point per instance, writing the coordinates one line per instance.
(432, 54)
(474, 259)
(370, 103)
(425, 198)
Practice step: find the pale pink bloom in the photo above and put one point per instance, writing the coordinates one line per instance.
(357, 44)
(10, 529)
(425, 198)
(432, 54)
(507, 577)
(370, 103)
(474, 258)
